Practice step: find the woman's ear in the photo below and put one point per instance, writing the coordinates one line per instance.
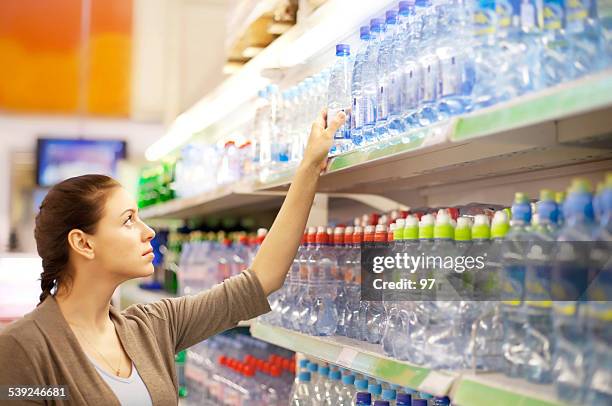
(81, 243)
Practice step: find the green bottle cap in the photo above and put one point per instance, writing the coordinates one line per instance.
(481, 229)
(580, 185)
(559, 197)
(398, 232)
(500, 225)
(443, 227)
(426, 227)
(547, 195)
(411, 228)
(463, 231)
(608, 181)
(520, 197)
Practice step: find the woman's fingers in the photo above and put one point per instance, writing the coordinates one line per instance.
(336, 123)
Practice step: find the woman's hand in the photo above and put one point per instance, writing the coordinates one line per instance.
(321, 139)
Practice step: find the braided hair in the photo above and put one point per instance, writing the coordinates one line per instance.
(76, 203)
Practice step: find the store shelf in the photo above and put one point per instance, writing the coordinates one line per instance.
(465, 388)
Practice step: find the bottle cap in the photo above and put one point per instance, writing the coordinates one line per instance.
(375, 389)
(404, 399)
(364, 397)
(335, 375)
(324, 371)
(481, 229)
(521, 208)
(463, 230)
(419, 402)
(411, 228)
(376, 24)
(339, 235)
(443, 228)
(348, 379)
(358, 235)
(398, 232)
(364, 32)
(404, 7)
(381, 233)
(361, 384)
(343, 50)
(313, 367)
(304, 376)
(389, 394)
(391, 17)
(426, 396)
(426, 227)
(381, 403)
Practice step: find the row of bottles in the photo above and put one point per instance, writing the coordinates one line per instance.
(235, 369)
(547, 326)
(320, 384)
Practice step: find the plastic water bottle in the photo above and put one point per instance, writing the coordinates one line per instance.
(293, 286)
(390, 300)
(599, 339)
(320, 386)
(375, 313)
(396, 72)
(570, 280)
(514, 259)
(465, 285)
(519, 43)
(340, 252)
(486, 55)
(259, 126)
(370, 82)
(411, 91)
(585, 37)
(363, 399)
(389, 395)
(539, 331)
(419, 319)
(456, 73)
(353, 265)
(322, 287)
(339, 98)
(429, 62)
(358, 113)
(333, 389)
(302, 393)
(303, 303)
(555, 54)
(386, 87)
(375, 390)
(347, 390)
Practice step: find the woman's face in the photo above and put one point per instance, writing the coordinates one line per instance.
(122, 242)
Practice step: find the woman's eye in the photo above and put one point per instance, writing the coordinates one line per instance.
(130, 220)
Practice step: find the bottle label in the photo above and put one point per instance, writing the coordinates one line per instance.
(485, 18)
(450, 70)
(553, 14)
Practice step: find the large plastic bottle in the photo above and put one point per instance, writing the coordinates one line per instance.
(333, 389)
(292, 286)
(347, 390)
(369, 80)
(569, 285)
(303, 303)
(339, 98)
(385, 69)
(353, 323)
(358, 112)
(513, 292)
(411, 84)
(539, 331)
(322, 287)
(599, 339)
(554, 66)
(340, 252)
(430, 63)
(375, 313)
(320, 386)
(585, 38)
(302, 394)
(486, 55)
(395, 75)
(391, 299)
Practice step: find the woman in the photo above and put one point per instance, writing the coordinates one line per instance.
(91, 239)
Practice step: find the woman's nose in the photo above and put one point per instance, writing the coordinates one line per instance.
(149, 233)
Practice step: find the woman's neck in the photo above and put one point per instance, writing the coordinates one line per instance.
(86, 304)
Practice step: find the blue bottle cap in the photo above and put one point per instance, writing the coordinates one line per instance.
(348, 379)
(364, 397)
(426, 396)
(391, 17)
(343, 50)
(304, 376)
(404, 399)
(405, 5)
(323, 371)
(442, 400)
(304, 363)
(364, 32)
(381, 403)
(376, 24)
(388, 394)
(361, 384)
(313, 367)
(521, 208)
(375, 389)
(335, 375)
(419, 402)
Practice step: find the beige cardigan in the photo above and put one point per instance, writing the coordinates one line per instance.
(40, 348)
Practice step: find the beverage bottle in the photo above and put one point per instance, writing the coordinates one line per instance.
(539, 330)
(456, 72)
(320, 385)
(363, 399)
(333, 389)
(403, 399)
(339, 98)
(275, 114)
(419, 318)
(390, 299)
(411, 83)
(322, 287)
(570, 279)
(362, 330)
(303, 303)
(376, 390)
(465, 284)
(442, 330)
(347, 391)
(353, 265)
(585, 38)
(259, 127)
(555, 53)
(375, 313)
(302, 392)
(389, 395)
(292, 286)
(513, 278)
(429, 62)
(369, 80)
(395, 73)
(486, 55)
(265, 131)
(358, 111)
(599, 335)
(385, 66)
(343, 275)
(519, 43)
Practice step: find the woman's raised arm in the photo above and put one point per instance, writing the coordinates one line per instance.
(276, 254)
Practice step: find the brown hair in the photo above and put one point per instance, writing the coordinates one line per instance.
(76, 203)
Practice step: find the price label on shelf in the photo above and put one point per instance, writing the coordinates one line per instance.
(346, 356)
(437, 383)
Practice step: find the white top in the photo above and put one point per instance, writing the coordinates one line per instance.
(130, 391)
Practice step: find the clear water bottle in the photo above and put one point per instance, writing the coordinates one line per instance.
(429, 63)
(333, 389)
(347, 391)
(396, 88)
(303, 302)
(390, 300)
(411, 82)
(321, 385)
(369, 80)
(464, 284)
(353, 306)
(293, 286)
(358, 115)
(599, 338)
(375, 390)
(302, 394)
(486, 55)
(385, 67)
(343, 276)
(554, 56)
(539, 331)
(514, 259)
(570, 280)
(585, 37)
(363, 399)
(339, 98)
(454, 52)
(375, 317)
